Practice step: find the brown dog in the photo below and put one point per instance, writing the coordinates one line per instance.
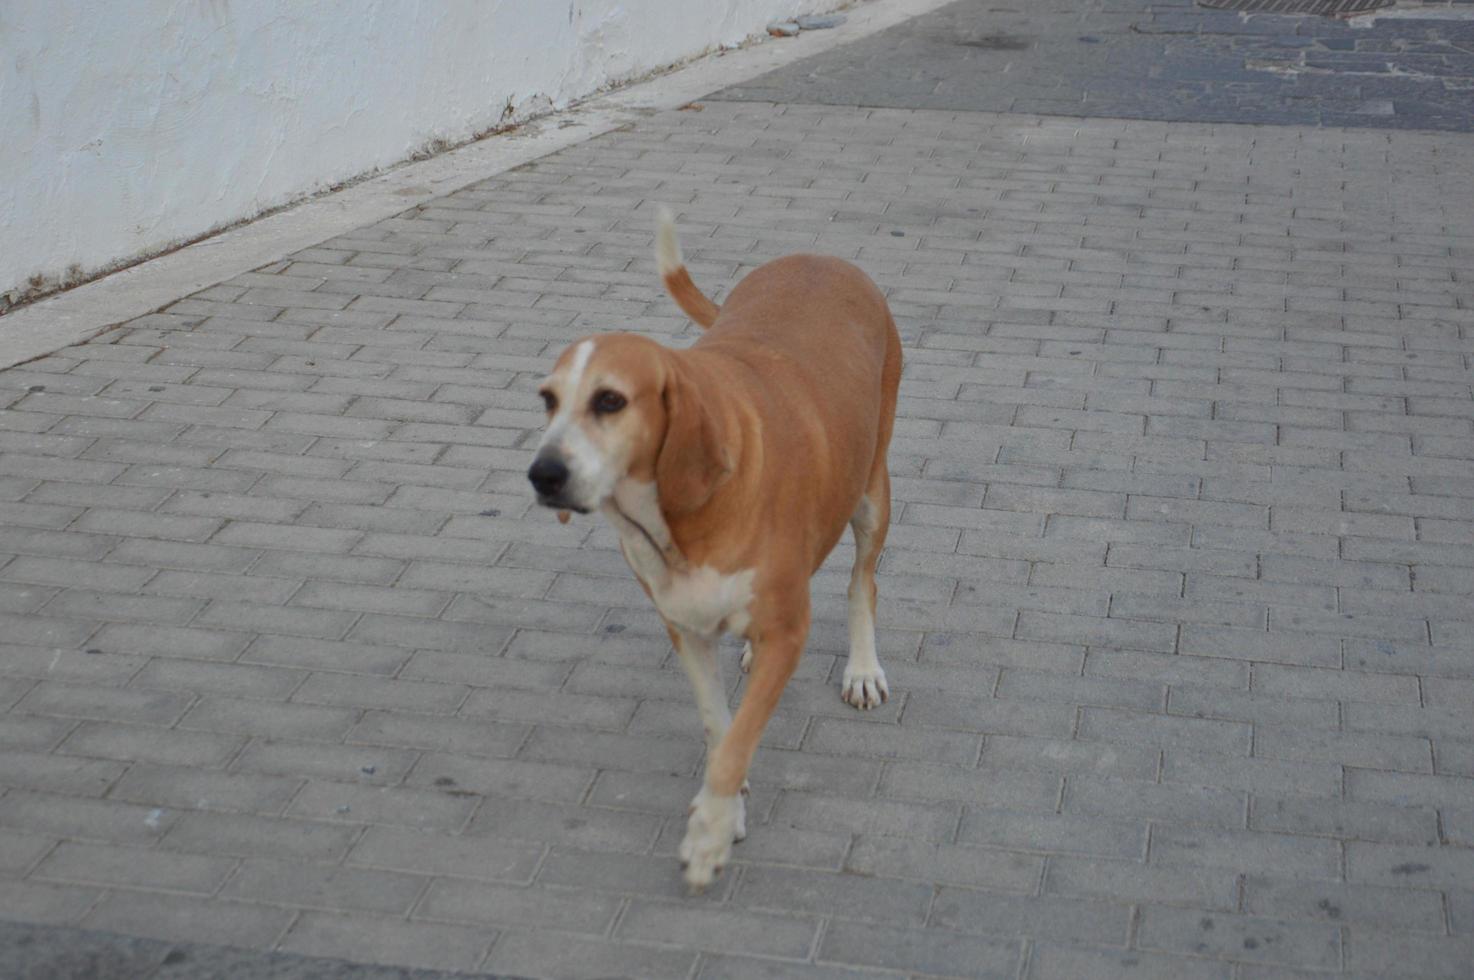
(730, 471)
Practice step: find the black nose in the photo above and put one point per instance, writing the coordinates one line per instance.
(548, 476)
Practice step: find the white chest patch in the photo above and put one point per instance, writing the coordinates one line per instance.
(706, 602)
(700, 600)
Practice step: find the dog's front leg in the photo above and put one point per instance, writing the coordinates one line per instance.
(698, 656)
(718, 813)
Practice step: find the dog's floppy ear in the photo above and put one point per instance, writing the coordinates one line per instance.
(696, 455)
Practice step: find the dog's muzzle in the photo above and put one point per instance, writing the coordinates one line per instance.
(549, 476)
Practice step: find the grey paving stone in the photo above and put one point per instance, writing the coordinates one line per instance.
(990, 869)
(377, 692)
(628, 752)
(805, 892)
(244, 835)
(181, 787)
(179, 917)
(330, 762)
(532, 707)
(138, 743)
(486, 903)
(1461, 912)
(382, 805)
(1086, 920)
(310, 653)
(1096, 632)
(403, 849)
(18, 851)
(1279, 646)
(1164, 731)
(103, 606)
(105, 703)
(1049, 961)
(1390, 952)
(1348, 748)
(58, 774)
(1244, 938)
(1246, 851)
(1005, 752)
(618, 873)
(1222, 677)
(586, 828)
(238, 679)
(258, 617)
(726, 967)
(1025, 685)
(1255, 775)
(1290, 681)
(1201, 701)
(1401, 908)
(1046, 833)
(655, 793)
(107, 864)
(416, 633)
(84, 819)
(914, 950)
(810, 811)
(723, 930)
(841, 736)
(323, 886)
(789, 846)
(503, 777)
(1179, 803)
(526, 953)
(1408, 865)
(1406, 789)
(357, 937)
(1202, 888)
(438, 732)
(256, 717)
(1344, 819)
(27, 661)
(41, 902)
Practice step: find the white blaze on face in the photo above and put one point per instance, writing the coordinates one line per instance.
(591, 478)
(568, 398)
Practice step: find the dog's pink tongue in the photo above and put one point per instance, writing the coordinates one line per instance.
(563, 516)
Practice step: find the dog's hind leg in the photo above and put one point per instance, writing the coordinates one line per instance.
(864, 684)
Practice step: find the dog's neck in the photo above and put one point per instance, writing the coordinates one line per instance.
(644, 536)
(647, 539)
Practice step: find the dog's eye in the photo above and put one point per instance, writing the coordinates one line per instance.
(607, 402)
(550, 401)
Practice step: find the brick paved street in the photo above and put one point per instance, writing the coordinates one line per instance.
(1176, 608)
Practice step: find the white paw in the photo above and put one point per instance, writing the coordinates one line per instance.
(746, 658)
(714, 823)
(865, 689)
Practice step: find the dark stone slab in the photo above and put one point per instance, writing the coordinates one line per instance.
(39, 952)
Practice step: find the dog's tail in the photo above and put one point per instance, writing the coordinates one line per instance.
(673, 272)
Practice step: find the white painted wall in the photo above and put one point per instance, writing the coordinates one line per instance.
(127, 128)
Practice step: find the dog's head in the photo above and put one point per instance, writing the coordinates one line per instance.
(621, 407)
